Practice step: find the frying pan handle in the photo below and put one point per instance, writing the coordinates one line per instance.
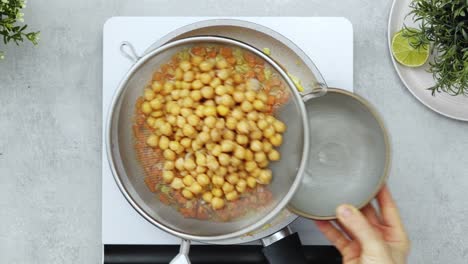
(318, 91)
(128, 51)
(283, 247)
(182, 257)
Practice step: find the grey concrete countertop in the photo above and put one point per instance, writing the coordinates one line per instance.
(50, 129)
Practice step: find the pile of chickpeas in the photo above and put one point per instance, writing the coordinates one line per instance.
(214, 129)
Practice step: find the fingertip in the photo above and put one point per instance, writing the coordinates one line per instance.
(345, 211)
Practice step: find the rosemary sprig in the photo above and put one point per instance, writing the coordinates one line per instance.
(444, 24)
(10, 29)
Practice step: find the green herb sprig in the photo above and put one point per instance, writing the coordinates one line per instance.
(10, 24)
(444, 24)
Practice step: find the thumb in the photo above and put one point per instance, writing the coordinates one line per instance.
(355, 222)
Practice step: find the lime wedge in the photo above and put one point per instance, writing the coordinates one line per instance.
(405, 54)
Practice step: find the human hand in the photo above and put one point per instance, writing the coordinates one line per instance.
(367, 237)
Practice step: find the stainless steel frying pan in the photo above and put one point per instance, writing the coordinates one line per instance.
(129, 175)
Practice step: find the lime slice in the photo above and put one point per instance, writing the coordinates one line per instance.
(405, 54)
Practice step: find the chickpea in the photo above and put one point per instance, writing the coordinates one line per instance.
(193, 120)
(216, 151)
(250, 166)
(150, 121)
(222, 110)
(205, 78)
(188, 76)
(215, 135)
(220, 124)
(232, 178)
(238, 78)
(152, 140)
(276, 140)
(168, 87)
(235, 162)
(209, 110)
(241, 185)
(209, 121)
(156, 104)
(239, 153)
(200, 170)
(265, 177)
(227, 187)
(195, 188)
(148, 94)
(185, 65)
(157, 114)
(237, 114)
(238, 96)
(188, 180)
(146, 108)
(248, 155)
(217, 203)
(231, 123)
(269, 132)
(250, 96)
(169, 154)
(174, 109)
(197, 84)
(251, 182)
(196, 60)
(223, 74)
(252, 116)
(262, 96)
(231, 196)
(263, 164)
(207, 196)
(220, 90)
(229, 134)
(260, 157)
(156, 86)
(180, 121)
(196, 95)
(203, 137)
(243, 127)
(187, 194)
(167, 176)
(203, 180)
(223, 159)
(274, 155)
(241, 87)
(215, 82)
(217, 192)
(222, 171)
(178, 74)
(174, 145)
(207, 92)
(279, 126)
(178, 83)
(259, 105)
(256, 145)
(257, 134)
(227, 145)
(205, 66)
(209, 103)
(189, 164)
(212, 163)
(217, 180)
(163, 142)
(242, 139)
(196, 145)
(183, 173)
(227, 100)
(186, 142)
(177, 184)
(243, 174)
(222, 64)
(199, 110)
(169, 165)
(246, 106)
(188, 130)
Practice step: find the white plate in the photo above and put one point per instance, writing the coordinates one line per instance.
(417, 80)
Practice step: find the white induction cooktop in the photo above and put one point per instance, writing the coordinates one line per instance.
(332, 53)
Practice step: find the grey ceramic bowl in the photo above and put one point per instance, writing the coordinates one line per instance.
(349, 155)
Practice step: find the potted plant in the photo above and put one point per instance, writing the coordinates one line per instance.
(12, 28)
